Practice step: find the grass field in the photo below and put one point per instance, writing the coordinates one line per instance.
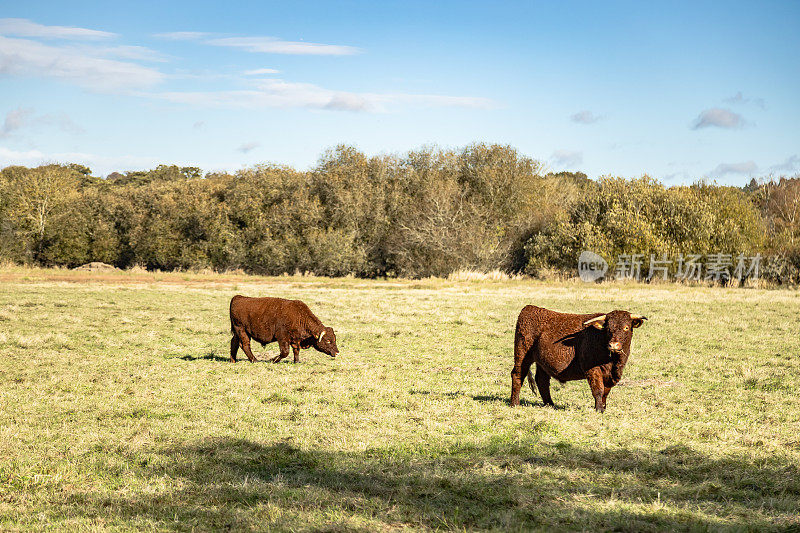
(119, 410)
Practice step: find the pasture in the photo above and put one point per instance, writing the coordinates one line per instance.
(120, 411)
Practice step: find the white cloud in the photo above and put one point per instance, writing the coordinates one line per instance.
(79, 65)
(26, 118)
(745, 167)
(248, 147)
(26, 28)
(283, 94)
(739, 98)
(567, 158)
(100, 165)
(273, 45)
(585, 117)
(680, 177)
(137, 53)
(720, 118)
(14, 121)
(350, 102)
(116, 69)
(792, 164)
(183, 35)
(267, 45)
(259, 71)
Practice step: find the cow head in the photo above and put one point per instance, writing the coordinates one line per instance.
(326, 342)
(618, 328)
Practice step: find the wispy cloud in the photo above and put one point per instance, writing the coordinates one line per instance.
(136, 53)
(100, 164)
(681, 176)
(280, 93)
(262, 44)
(183, 35)
(745, 167)
(79, 65)
(21, 119)
(718, 118)
(199, 125)
(118, 69)
(792, 164)
(259, 71)
(585, 117)
(14, 121)
(273, 45)
(26, 28)
(248, 147)
(567, 158)
(739, 98)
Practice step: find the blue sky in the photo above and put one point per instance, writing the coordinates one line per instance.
(680, 91)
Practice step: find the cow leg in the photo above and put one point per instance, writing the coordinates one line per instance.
(595, 378)
(543, 383)
(516, 383)
(284, 346)
(525, 369)
(296, 352)
(234, 348)
(605, 395)
(522, 361)
(244, 342)
(515, 386)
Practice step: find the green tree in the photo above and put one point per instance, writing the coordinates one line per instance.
(34, 199)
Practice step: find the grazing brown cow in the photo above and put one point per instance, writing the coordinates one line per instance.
(290, 322)
(567, 347)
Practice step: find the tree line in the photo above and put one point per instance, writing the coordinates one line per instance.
(427, 212)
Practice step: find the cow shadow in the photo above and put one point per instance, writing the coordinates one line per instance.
(209, 356)
(213, 356)
(239, 484)
(523, 402)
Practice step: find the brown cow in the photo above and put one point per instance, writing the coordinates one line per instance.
(290, 322)
(567, 347)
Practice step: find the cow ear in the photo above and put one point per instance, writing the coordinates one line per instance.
(637, 320)
(598, 322)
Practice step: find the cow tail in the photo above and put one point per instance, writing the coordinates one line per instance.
(231, 314)
(531, 380)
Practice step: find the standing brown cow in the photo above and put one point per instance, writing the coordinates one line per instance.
(290, 322)
(567, 347)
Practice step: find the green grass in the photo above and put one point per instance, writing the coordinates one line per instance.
(119, 410)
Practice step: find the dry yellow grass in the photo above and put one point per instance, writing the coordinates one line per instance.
(119, 410)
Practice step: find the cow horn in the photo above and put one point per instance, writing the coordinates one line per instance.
(321, 335)
(638, 317)
(596, 321)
